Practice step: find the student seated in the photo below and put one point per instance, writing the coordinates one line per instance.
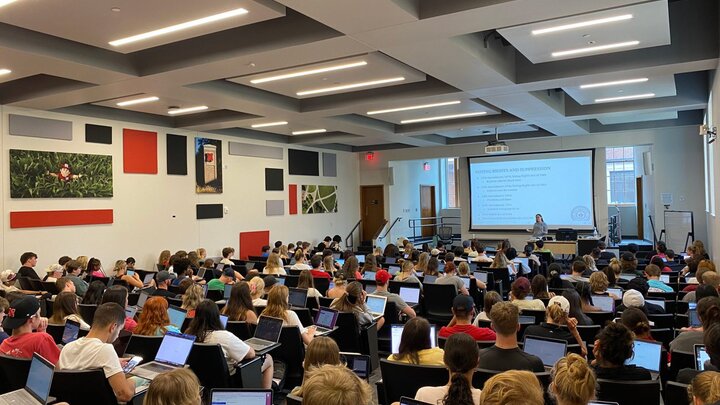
(463, 310)
(163, 279)
(322, 350)
(557, 325)
(708, 311)
(451, 277)
(64, 308)
(519, 290)
(226, 277)
(192, 296)
(554, 280)
(278, 307)
(23, 316)
(354, 301)
(300, 261)
(227, 254)
(382, 278)
(599, 284)
(306, 281)
(461, 360)
(635, 295)
(239, 306)
(407, 274)
(4, 305)
(505, 354)
(207, 327)
(573, 381)
(120, 272)
(579, 272)
(415, 346)
(614, 345)
(274, 265)
(512, 387)
(316, 262)
(577, 306)
(28, 261)
(704, 277)
(336, 385)
(704, 388)
(490, 299)
(119, 295)
(177, 387)
(638, 323)
(711, 340)
(539, 287)
(154, 319)
(96, 351)
(73, 270)
(652, 273)
(257, 290)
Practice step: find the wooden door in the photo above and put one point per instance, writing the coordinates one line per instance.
(640, 209)
(372, 210)
(427, 209)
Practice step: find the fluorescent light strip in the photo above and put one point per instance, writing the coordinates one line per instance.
(137, 101)
(269, 124)
(615, 83)
(179, 27)
(414, 107)
(5, 71)
(622, 98)
(187, 110)
(308, 72)
(443, 117)
(595, 49)
(310, 131)
(350, 86)
(582, 24)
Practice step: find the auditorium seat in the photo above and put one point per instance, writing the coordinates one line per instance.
(291, 352)
(629, 392)
(402, 379)
(13, 373)
(87, 387)
(437, 301)
(143, 346)
(87, 312)
(676, 393)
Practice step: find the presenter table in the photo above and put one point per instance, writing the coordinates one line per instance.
(561, 247)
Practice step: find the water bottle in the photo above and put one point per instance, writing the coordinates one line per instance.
(595, 234)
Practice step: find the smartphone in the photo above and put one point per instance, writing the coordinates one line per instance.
(131, 364)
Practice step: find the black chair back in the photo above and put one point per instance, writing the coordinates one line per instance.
(403, 380)
(87, 387)
(304, 315)
(325, 302)
(676, 393)
(13, 373)
(36, 284)
(347, 334)
(539, 314)
(664, 335)
(679, 361)
(143, 346)
(292, 281)
(629, 392)
(56, 331)
(600, 318)
(207, 361)
(240, 329)
(438, 300)
(25, 285)
(291, 352)
(588, 332)
(50, 287)
(322, 284)
(662, 320)
(87, 312)
(215, 295)
(133, 299)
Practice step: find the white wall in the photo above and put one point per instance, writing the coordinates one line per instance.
(156, 212)
(713, 222)
(677, 156)
(405, 193)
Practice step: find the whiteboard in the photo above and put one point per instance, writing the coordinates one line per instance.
(677, 226)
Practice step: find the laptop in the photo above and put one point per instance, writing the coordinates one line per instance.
(205, 289)
(693, 318)
(396, 331)
(388, 260)
(280, 280)
(369, 275)
(358, 363)
(220, 267)
(524, 263)
(466, 281)
(410, 295)
(267, 333)
(526, 320)
(429, 279)
(628, 277)
(241, 396)
(223, 320)
(615, 251)
(647, 355)
(325, 320)
(376, 305)
(201, 272)
(547, 349)
(37, 385)
(659, 302)
(665, 278)
(177, 316)
(71, 331)
(361, 259)
(110, 282)
(410, 401)
(130, 272)
(148, 278)
(130, 312)
(297, 297)
(370, 288)
(393, 270)
(481, 275)
(227, 291)
(692, 305)
(615, 291)
(606, 303)
(173, 353)
(441, 267)
(337, 256)
(701, 357)
(249, 266)
(141, 300)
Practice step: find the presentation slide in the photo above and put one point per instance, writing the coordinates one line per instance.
(507, 191)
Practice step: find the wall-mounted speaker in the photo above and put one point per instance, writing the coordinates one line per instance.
(647, 163)
(390, 176)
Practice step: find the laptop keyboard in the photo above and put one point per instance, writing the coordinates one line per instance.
(255, 343)
(20, 397)
(158, 368)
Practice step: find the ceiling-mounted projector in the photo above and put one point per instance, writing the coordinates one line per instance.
(496, 147)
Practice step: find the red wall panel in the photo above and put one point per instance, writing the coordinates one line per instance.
(251, 243)
(139, 151)
(293, 199)
(36, 219)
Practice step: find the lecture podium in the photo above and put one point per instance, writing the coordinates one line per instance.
(582, 246)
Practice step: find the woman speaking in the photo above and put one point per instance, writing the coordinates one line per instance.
(540, 228)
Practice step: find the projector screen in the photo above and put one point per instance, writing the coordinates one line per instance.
(507, 191)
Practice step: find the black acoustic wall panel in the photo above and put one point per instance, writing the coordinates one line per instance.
(274, 180)
(303, 163)
(207, 211)
(98, 134)
(177, 155)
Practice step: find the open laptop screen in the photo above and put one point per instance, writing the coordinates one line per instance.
(40, 378)
(297, 297)
(693, 318)
(466, 281)
(227, 291)
(237, 397)
(615, 291)
(646, 355)
(396, 335)
(361, 259)
(369, 275)
(177, 316)
(429, 279)
(326, 318)
(148, 278)
(142, 298)
(701, 357)
(223, 320)
(659, 302)
(606, 303)
(549, 350)
(269, 328)
(376, 304)
(393, 270)
(71, 331)
(410, 295)
(481, 275)
(175, 348)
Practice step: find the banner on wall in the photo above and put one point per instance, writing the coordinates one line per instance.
(318, 199)
(208, 166)
(37, 174)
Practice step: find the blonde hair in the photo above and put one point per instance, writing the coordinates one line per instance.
(512, 387)
(119, 265)
(615, 266)
(463, 269)
(272, 265)
(284, 251)
(329, 264)
(705, 387)
(164, 257)
(83, 260)
(192, 297)
(599, 282)
(257, 287)
(407, 270)
(556, 314)
(321, 350)
(335, 384)
(589, 261)
(707, 264)
(277, 302)
(177, 387)
(573, 380)
(423, 261)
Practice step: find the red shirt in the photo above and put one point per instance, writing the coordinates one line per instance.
(319, 273)
(130, 324)
(23, 346)
(477, 333)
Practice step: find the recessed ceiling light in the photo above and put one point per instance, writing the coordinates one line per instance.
(309, 131)
(350, 86)
(115, 9)
(308, 72)
(414, 107)
(137, 101)
(269, 124)
(443, 117)
(582, 24)
(614, 83)
(177, 111)
(6, 2)
(178, 27)
(633, 97)
(594, 49)
(5, 71)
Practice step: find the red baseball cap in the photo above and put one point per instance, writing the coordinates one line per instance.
(382, 277)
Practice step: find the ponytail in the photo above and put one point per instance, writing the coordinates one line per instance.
(459, 392)
(557, 314)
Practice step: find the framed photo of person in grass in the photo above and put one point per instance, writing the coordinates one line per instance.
(38, 174)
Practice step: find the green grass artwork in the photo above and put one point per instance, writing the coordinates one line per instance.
(319, 199)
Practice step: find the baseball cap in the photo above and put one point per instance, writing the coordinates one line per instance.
(562, 301)
(7, 275)
(54, 267)
(269, 281)
(627, 256)
(21, 309)
(463, 303)
(522, 284)
(228, 272)
(633, 298)
(434, 252)
(164, 275)
(382, 277)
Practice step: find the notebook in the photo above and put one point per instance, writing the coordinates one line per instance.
(71, 331)
(547, 349)
(37, 385)
(376, 305)
(297, 297)
(396, 331)
(325, 320)
(369, 275)
(241, 396)
(429, 279)
(693, 318)
(647, 355)
(173, 353)
(481, 275)
(177, 316)
(267, 333)
(410, 295)
(393, 270)
(606, 303)
(701, 357)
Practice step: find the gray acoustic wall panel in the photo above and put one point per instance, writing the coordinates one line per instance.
(329, 162)
(274, 207)
(22, 125)
(246, 149)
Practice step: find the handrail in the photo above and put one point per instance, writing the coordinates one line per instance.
(389, 228)
(443, 221)
(350, 235)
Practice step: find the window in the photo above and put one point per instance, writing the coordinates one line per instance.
(451, 188)
(620, 172)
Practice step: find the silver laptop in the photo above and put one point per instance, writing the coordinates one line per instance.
(325, 320)
(410, 295)
(173, 353)
(148, 278)
(241, 396)
(547, 349)
(37, 386)
(141, 301)
(376, 305)
(647, 355)
(606, 303)
(267, 333)
(618, 292)
(659, 302)
(481, 275)
(297, 297)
